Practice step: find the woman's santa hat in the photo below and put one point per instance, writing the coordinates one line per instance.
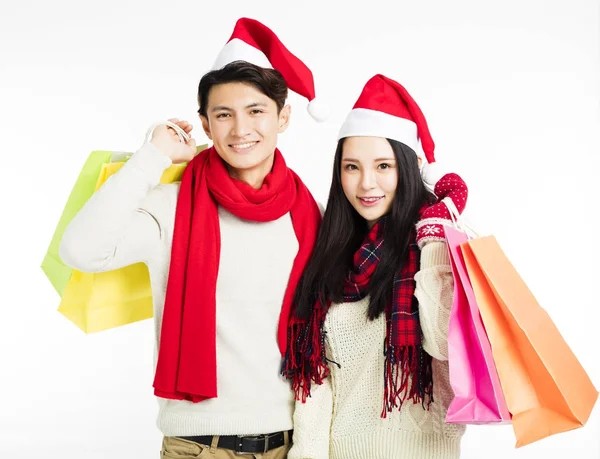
(255, 43)
(386, 109)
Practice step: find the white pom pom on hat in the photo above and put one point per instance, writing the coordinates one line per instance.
(318, 109)
(431, 173)
(253, 42)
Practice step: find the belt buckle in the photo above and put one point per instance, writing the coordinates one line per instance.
(240, 444)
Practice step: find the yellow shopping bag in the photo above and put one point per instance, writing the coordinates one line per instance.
(101, 301)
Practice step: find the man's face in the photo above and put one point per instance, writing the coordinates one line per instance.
(243, 125)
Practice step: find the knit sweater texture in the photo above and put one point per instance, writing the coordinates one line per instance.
(342, 419)
(129, 220)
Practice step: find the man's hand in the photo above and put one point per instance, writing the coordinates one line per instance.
(168, 142)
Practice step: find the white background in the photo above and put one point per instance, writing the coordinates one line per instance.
(510, 89)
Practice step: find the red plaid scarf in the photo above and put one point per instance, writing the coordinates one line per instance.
(407, 373)
(187, 357)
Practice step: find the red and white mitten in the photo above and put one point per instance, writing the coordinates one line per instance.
(431, 226)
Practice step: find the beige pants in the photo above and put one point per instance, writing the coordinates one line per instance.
(178, 448)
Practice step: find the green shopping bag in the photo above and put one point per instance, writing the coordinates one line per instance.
(56, 271)
(93, 171)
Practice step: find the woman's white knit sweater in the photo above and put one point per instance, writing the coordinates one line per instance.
(342, 419)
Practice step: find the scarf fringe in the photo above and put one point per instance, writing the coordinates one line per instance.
(305, 361)
(407, 368)
(407, 375)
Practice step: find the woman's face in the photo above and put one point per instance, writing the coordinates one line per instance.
(369, 176)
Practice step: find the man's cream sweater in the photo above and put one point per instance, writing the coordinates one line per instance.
(130, 220)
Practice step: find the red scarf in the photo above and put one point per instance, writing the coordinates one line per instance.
(187, 360)
(407, 370)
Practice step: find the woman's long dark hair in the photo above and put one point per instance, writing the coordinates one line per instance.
(343, 230)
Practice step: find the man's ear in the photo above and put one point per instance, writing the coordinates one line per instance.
(420, 161)
(205, 126)
(284, 118)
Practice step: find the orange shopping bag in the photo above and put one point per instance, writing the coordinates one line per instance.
(546, 388)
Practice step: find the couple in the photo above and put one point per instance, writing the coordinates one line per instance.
(281, 332)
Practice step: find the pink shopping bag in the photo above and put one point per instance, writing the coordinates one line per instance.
(478, 396)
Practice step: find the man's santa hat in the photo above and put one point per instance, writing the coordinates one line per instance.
(386, 109)
(255, 43)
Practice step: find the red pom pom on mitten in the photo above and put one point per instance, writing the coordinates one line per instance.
(433, 219)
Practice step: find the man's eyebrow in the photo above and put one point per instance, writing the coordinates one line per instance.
(256, 104)
(218, 108)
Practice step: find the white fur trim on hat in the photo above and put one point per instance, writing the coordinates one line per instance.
(239, 50)
(362, 122)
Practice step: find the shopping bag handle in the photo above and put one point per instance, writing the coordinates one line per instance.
(183, 136)
(118, 156)
(459, 220)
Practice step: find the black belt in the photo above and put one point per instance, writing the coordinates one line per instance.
(245, 444)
